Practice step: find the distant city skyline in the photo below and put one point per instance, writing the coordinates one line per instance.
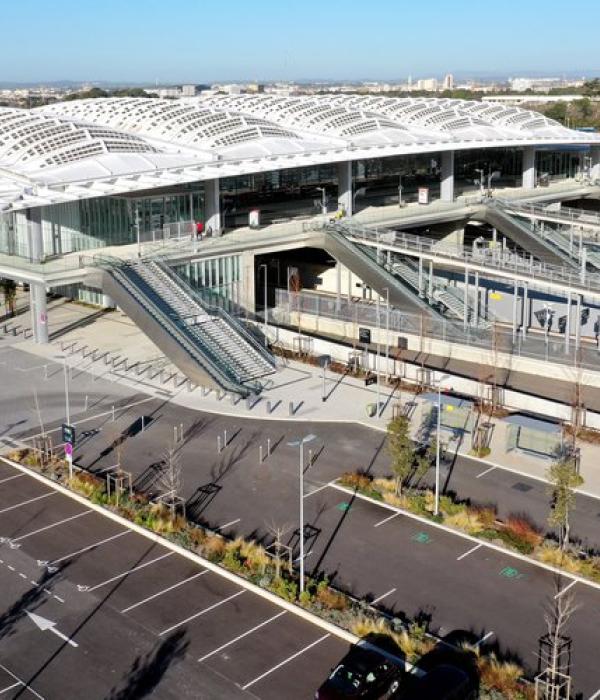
(188, 41)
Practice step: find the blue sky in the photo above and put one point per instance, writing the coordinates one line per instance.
(207, 40)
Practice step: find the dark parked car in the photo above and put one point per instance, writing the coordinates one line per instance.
(363, 673)
(440, 683)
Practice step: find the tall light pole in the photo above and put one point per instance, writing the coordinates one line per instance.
(377, 358)
(266, 320)
(67, 413)
(436, 508)
(323, 192)
(300, 443)
(387, 330)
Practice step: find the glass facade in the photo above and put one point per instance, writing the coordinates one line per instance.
(557, 165)
(280, 194)
(506, 161)
(376, 181)
(217, 279)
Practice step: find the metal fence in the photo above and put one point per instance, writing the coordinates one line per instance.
(289, 308)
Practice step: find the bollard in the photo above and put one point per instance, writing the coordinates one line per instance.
(225, 438)
(268, 447)
(268, 404)
(219, 448)
(174, 433)
(310, 458)
(181, 432)
(113, 413)
(260, 454)
(86, 403)
(143, 423)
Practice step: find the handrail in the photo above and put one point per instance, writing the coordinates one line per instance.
(215, 310)
(215, 369)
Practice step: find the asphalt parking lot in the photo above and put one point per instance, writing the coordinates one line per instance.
(132, 618)
(410, 569)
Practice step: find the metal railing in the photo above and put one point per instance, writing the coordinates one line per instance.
(493, 258)
(289, 308)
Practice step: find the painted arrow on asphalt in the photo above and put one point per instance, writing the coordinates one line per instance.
(43, 624)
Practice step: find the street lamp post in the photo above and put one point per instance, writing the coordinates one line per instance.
(266, 319)
(387, 330)
(323, 192)
(436, 508)
(68, 455)
(300, 443)
(377, 359)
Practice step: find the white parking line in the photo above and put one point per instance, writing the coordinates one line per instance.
(565, 589)
(385, 520)
(10, 687)
(202, 612)
(29, 688)
(487, 471)
(595, 696)
(312, 493)
(88, 589)
(381, 597)
(470, 551)
(484, 638)
(240, 636)
(285, 661)
(224, 527)
(3, 481)
(166, 590)
(85, 549)
(31, 500)
(49, 527)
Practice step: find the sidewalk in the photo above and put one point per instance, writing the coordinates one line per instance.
(295, 393)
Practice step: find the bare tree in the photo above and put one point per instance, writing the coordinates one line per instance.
(554, 681)
(278, 550)
(170, 480)
(563, 478)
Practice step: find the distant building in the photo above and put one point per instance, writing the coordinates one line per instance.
(188, 90)
(429, 84)
(448, 83)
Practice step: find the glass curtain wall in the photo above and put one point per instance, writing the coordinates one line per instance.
(506, 161)
(217, 280)
(280, 194)
(558, 165)
(376, 181)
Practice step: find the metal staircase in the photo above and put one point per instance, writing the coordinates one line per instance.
(403, 270)
(207, 344)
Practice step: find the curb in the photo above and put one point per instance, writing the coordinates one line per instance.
(196, 558)
(471, 538)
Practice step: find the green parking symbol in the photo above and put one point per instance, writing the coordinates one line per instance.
(511, 572)
(343, 506)
(421, 538)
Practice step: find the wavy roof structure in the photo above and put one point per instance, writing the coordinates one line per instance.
(85, 148)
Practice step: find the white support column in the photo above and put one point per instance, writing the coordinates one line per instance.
(595, 155)
(514, 313)
(466, 300)
(568, 325)
(212, 206)
(525, 313)
(447, 177)
(338, 286)
(39, 311)
(34, 232)
(345, 197)
(529, 174)
(248, 299)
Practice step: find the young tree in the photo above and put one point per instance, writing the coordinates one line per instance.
(9, 291)
(400, 448)
(170, 480)
(564, 479)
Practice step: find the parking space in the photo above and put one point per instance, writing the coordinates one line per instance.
(126, 595)
(11, 686)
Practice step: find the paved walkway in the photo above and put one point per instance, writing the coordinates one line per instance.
(295, 393)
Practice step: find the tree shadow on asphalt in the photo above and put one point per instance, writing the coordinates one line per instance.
(148, 671)
(31, 600)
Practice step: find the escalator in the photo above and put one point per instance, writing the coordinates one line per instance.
(205, 343)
